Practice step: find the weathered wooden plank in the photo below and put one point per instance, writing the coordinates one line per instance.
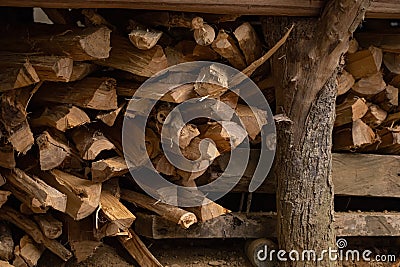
(258, 225)
(366, 175)
(353, 175)
(378, 9)
(227, 226)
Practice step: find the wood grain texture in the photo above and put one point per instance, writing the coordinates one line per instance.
(366, 175)
(353, 175)
(263, 225)
(378, 9)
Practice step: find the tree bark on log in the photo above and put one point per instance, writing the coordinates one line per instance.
(305, 72)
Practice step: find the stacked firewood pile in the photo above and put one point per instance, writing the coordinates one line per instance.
(64, 91)
(367, 111)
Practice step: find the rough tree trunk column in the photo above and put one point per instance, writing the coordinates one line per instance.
(305, 73)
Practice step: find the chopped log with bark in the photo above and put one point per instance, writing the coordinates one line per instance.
(369, 86)
(352, 109)
(138, 250)
(163, 166)
(124, 56)
(80, 44)
(29, 251)
(115, 211)
(249, 42)
(90, 142)
(83, 196)
(180, 94)
(109, 117)
(388, 99)
(201, 150)
(82, 69)
(92, 92)
(7, 159)
(18, 76)
(81, 237)
(374, 116)
(203, 33)
(152, 142)
(142, 37)
(354, 135)
(345, 81)
(392, 62)
(226, 135)
(50, 226)
(34, 192)
(174, 214)
(188, 132)
(4, 197)
(388, 141)
(208, 211)
(13, 115)
(61, 117)
(212, 81)
(226, 47)
(105, 169)
(30, 227)
(253, 119)
(392, 119)
(48, 68)
(364, 63)
(6, 243)
(54, 152)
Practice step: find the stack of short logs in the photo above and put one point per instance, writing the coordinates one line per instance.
(367, 110)
(64, 91)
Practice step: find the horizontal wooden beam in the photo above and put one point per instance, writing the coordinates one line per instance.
(353, 175)
(378, 9)
(261, 225)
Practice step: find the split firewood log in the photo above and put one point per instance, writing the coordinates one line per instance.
(364, 63)
(142, 37)
(177, 215)
(369, 86)
(31, 228)
(353, 135)
(54, 152)
(50, 226)
(6, 242)
(90, 142)
(34, 192)
(226, 47)
(203, 33)
(249, 42)
(352, 109)
(92, 92)
(60, 117)
(83, 196)
(124, 56)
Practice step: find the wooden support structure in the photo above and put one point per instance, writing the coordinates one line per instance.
(263, 225)
(378, 9)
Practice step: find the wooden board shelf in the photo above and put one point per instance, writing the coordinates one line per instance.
(378, 9)
(261, 225)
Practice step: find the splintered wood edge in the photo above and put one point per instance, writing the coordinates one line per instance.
(187, 220)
